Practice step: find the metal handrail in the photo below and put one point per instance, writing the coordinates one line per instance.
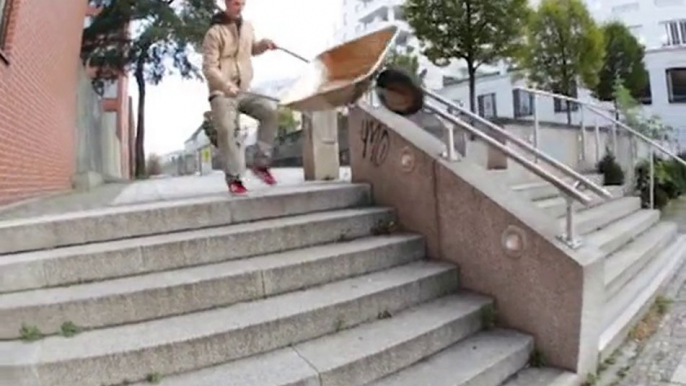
(569, 192)
(566, 188)
(527, 146)
(565, 98)
(597, 109)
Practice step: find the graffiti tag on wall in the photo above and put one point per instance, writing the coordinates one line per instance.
(376, 142)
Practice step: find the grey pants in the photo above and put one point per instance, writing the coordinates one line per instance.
(225, 112)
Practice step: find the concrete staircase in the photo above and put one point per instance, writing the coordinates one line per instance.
(301, 286)
(641, 252)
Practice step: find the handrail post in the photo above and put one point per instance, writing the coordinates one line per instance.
(597, 141)
(651, 193)
(582, 123)
(569, 237)
(452, 154)
(536, 125)
(614, 139)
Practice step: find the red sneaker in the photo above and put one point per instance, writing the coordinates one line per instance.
(265, 175)
(237, 187)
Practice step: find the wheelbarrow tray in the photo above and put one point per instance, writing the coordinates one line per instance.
(341, 75)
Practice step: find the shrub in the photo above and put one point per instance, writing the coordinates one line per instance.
(669, 181)
(610, 169)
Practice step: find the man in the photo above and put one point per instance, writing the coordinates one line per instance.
(228, 48)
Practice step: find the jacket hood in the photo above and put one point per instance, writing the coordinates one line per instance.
(222, 18)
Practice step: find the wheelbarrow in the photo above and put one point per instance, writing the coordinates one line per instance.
(337, 77)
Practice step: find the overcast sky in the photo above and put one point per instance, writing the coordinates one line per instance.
(174, 108)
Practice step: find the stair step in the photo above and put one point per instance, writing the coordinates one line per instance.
(543, 377)
(626, 263)
(557, 206)
(171, 216)
(612, 237)
(540, 190)
(623, 310)
(189, 342)
(114, 259)
(595, 218)
(485, 359)
(354, 356)
(163, 294)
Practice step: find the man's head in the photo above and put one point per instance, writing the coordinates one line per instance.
(234, 8)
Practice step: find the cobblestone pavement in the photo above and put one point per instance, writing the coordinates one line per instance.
(661, 361)
(665, 352)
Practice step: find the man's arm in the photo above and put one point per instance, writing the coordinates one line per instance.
(211, 52)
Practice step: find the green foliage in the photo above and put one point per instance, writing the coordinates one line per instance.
(632, 113)
(610, 169)
(564, 46)
(669, 181)
(623, 60)
(287, 122)
(29, 333)
(407, 62)
(69, 329)
(476, 31)
(152, 39)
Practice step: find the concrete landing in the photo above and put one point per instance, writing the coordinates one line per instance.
(144, 191)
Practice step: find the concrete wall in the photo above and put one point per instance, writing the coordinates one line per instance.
(99, 155)
(38, 76)
(544, 288)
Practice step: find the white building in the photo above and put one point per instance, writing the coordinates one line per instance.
(659, 24)
(364, 16)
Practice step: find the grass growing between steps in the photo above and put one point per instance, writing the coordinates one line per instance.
(651, 321)
(615, 368)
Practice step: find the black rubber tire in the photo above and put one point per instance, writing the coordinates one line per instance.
(395, 76)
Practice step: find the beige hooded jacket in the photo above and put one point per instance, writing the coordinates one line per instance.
(227, 52)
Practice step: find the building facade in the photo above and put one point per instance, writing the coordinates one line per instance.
(117, 106)
(360, 17)
(659, 24)
(39, 61)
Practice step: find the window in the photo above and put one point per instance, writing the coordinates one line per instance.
(4, 21)
(561, 105)
(487, 108)
(623, 8)
(523, 103)
(675, 31)
(676, 85)
(646, 95)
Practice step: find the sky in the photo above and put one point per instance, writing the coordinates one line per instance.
(174, 108)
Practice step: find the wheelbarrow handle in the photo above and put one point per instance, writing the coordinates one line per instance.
(293, 54)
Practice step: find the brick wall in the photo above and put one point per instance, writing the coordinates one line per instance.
(38, 97)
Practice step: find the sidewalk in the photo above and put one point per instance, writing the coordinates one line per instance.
(661, 360)
(138, 192)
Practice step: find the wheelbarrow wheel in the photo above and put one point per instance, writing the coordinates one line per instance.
(399, 92)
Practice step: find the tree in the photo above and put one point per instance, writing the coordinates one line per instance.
(623, 60)
(407, 62)
(652, 127)
(154, 165)
(476, 31)
(286, 121)
(161, 44)
(564, 46)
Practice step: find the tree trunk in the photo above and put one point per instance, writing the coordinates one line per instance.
(140, 129)
(569, 112)
(472, 86)
(471, 71)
